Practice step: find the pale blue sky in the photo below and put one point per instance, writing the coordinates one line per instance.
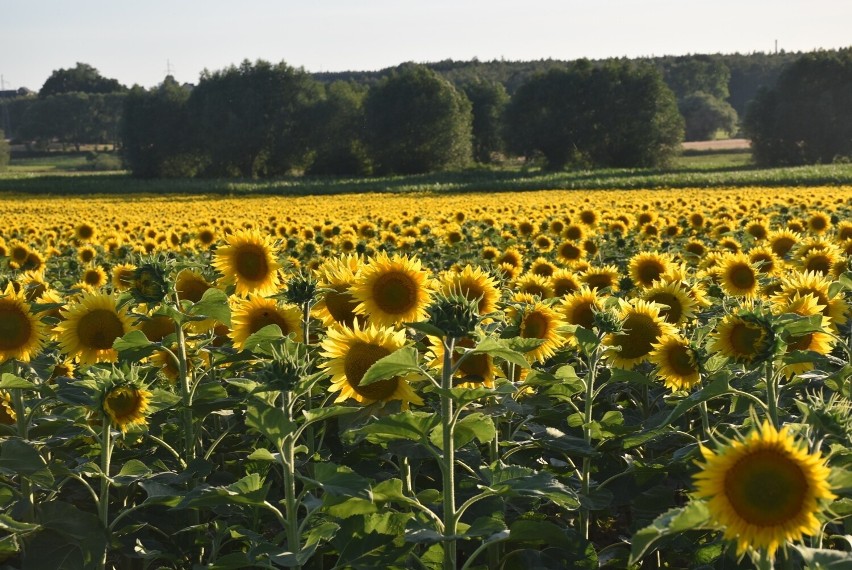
(133, 40)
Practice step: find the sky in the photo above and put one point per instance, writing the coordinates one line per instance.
(138, 42)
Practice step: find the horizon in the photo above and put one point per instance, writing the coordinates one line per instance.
(142, 44)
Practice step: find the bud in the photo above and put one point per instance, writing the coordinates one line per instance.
(149, 284)
(454, 314)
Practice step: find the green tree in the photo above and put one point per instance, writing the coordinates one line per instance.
(417, 122)
(806, 117)
(689, 74)
(154, 132)
(488, 103)
(704, 115)
(82, 78)
(249, 120)
(5, 152)
(336, 127)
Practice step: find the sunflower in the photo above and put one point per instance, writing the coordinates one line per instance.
(511, 256)
(248, 261)
(334, 281)
(676, 363)
(569, 252)
(819, 223)
(7, 410)
(543, 267)
(811, 283)
(765, 489)
(818, 341)
(351, 352)
(782, 241)
(642, 326)
(255, 312)
(85, 231)
(765, 260)
(472, 283)
(392, 291)
(534, 285)
(22, 336)
(737, 276)
(537, 320)
(122, 276)
(564, 282)
(126, 405)
(745, 338)
(91, 326)
(475, 370)
(580, 307)
(93, 278)
(679, 307)
(820, 259)
(601, 277)
(86, 254)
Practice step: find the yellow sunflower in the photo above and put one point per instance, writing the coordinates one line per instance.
(601, 277)
(7, 410)
(255, 312)
(569, 252)
(765, 489)
(122, 276)
(782, 241)
(580, 307)
(537, 320)
(564, 282)
(351, 352)
(818, 341)
(534, 285)
(93, 278)
(642, 326)
(475, 370)
(126, 406)
(334, 280)
(765, 260)
(471, 283)
(392, 290)
(811, 283)
(676, 363)
(91, 326)
(679, 307)
(249, 262)
(745, 339)
(737, 276)
(22, 335)
(647, 267)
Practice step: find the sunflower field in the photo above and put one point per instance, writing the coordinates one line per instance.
(643, 379)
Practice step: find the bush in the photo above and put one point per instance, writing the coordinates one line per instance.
(5, 152)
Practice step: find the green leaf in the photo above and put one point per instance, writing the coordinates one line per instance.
(159, 494)
(9, 524)
(473, 426)
(501, 349)
(11, 382)
(587, 340)
(262, 340)
(263, 454)
(536, 531)
(408, 425)
(270, 421)
(19, 457)
(341, 481)
(132, 471)
(717, 387)
(515, 480)
(824, 559)
(693, 516)
(213, 305)
(398, 363)
(134, 346)
(389, 490)
(427, 329)
(793, 325)
(248, 491)
(322, 414)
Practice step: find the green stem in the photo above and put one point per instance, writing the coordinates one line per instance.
(585, 481)
(306, 331)
(705, 419)
(106, 458)
(186, 395)
(771, 395)
(24, 432)
(288, 458)
(448, 457)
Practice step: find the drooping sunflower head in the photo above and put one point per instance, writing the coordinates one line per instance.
(677, 362)
(90, 327)
(351, 351)
(248, 261)
(22, 335)
(474, 283)
(255, 312)
(745, 338)
(647, 267)
(392, 290)
(642, 326)
(765, 489)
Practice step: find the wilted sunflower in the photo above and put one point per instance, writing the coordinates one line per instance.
(676, 362)
(21, 333)
(647, 267)
(765, 489)
(126, 405)
(391, 291)
(679, 306)
(537, 320)
(475, 370)
(351, 352)
(738, 277)
(471, 283)
(91, 326)
(746, 338)
(642, 326)
(252, 314)
(248, 261)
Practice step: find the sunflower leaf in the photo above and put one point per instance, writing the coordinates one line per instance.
(501, 349)
(270, 421)
(413, 426)
(718, 386)
(134, 346)
(693, 516)
(213, 305)
(397, 363)
(10, 381)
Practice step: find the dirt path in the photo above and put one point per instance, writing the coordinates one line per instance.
(726, 144)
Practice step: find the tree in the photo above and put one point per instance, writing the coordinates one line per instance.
(154, 132)
(488, 102)
(336, 131)
(249, 120)
(807, 117)
(82, 78)
(73, 118)
(417, 122)
(5, 152)
(704, 115)
(689, 74)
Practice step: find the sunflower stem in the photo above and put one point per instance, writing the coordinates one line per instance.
(306, 331)
(288, 458)
(771, 395)
(186, 395)
(106, 458)
(23, 432)
(448, 457)
(585, 481)
(705, 419)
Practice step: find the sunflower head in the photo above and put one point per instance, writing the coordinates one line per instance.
(746, 338)
(301, 289)
(392, 290)
(22, 335)
(765, 489)
(454, 314)
(123, 398)
(90, 327)
(678, 362)
(641, 327)
(248, 261)
(149, 283)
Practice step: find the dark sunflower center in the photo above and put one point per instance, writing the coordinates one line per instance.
(569, 251)
(746, 339)
(800, 342)
(99, 328)
(563, 287)
(582, 314)
(675, 309)
(680, 361)
(87, 255)
(206, 237)
(262, 317)
(395, 293)
(766, 488)
(598, 280)
(819, 263)
(92, 278)
(742, 277)
(475, 367)
(158, 328)
(192, 289)
(15, 327)
(535, 289)
(535, 325)
(767, 264)
(250, 262)
(123, 402)
(358, 360)
(649, 271)
(640, 332)
(780, 246)
(544, 270)
(341, 305)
